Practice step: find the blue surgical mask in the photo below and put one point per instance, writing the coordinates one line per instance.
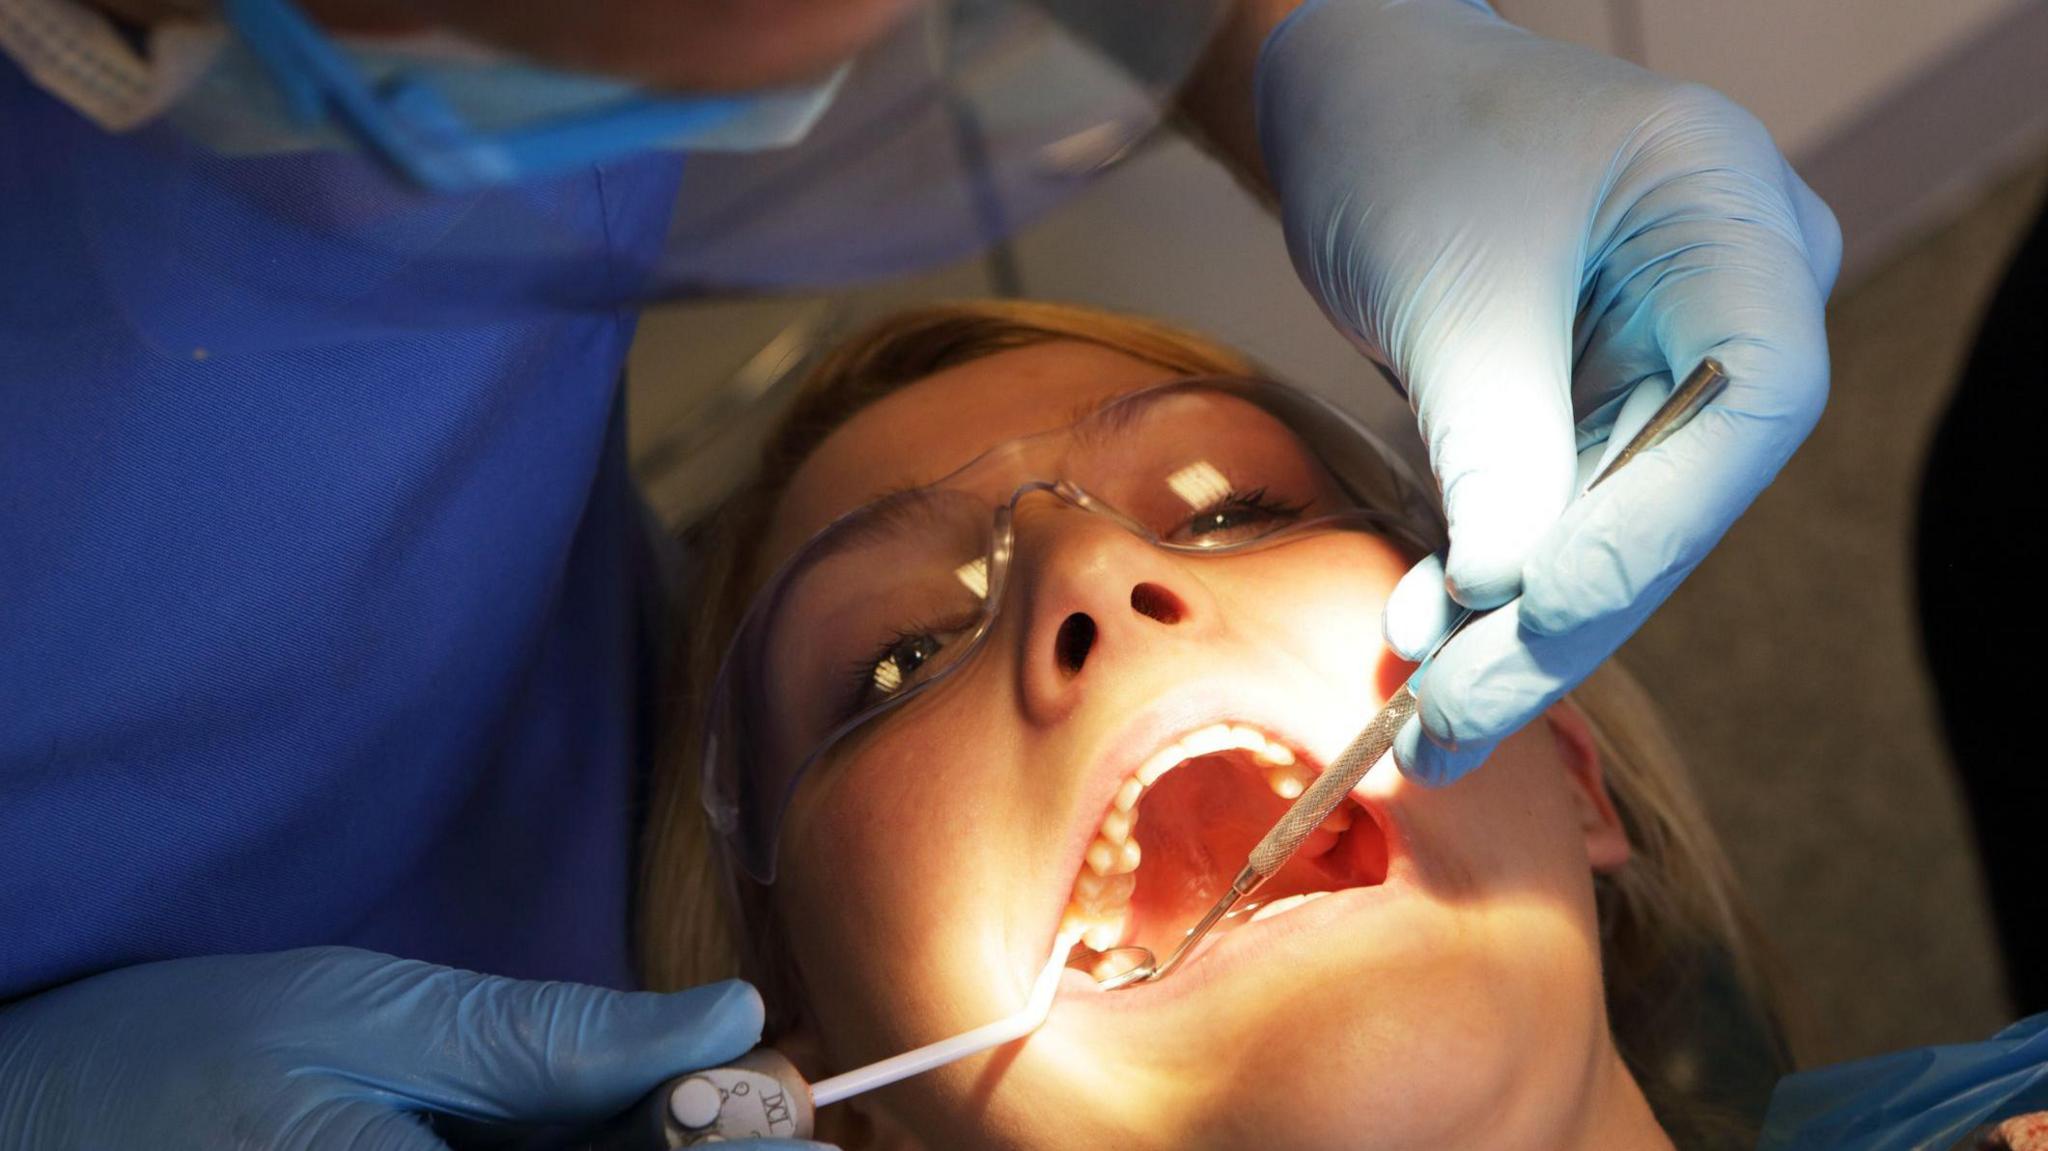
(450, 115)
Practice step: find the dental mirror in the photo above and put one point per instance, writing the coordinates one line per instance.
(1126, 965)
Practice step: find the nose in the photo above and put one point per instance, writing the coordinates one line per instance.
(1094, 599)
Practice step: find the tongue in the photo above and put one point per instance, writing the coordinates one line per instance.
(1197, 826)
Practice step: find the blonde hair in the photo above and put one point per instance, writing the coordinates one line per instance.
(1673, 902)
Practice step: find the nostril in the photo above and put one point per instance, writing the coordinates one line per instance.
(1075, 640)
(1155, 602)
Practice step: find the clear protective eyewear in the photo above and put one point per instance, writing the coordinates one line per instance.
(432, 124)
(892, 599)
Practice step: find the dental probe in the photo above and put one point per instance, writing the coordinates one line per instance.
(1329, 789)
(760, 1095)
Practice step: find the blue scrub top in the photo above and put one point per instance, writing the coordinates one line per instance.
(317, 613)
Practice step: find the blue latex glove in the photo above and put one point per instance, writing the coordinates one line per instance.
(1523, 232)
(338, 1048)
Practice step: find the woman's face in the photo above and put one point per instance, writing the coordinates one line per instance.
(1445, 988)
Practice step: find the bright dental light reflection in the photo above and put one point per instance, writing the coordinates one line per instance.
(973, 575)
(1200, 484)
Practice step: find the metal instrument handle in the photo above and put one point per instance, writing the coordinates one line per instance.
(1330, 788)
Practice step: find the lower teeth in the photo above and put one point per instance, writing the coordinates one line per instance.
(1267, 910)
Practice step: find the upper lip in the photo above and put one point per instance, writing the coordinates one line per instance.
(1158, 725)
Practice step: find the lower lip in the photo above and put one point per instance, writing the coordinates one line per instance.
(1246, 946)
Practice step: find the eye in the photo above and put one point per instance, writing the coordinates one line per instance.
(1237, 516)
(898, 664)
(904, 659)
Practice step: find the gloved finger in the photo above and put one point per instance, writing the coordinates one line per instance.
(1818, 227)
(1464, 279)
(532, 1052)
(1419, 610)
(1493, 400)
(1742, 291)
(1430, 763)
(1492, 680)
(1636, 410)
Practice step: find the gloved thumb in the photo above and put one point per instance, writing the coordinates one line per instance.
(533, 1052)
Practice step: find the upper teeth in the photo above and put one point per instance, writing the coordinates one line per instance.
(1100, 908)
(1209, 741)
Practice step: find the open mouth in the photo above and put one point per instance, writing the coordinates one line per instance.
(1182, 826)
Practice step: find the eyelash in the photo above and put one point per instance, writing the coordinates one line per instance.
(1266, 511)
(861, 673)
(1254, 500)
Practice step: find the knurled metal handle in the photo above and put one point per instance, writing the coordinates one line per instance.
(1330, 788)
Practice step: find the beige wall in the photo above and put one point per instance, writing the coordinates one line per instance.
(1803, 66)
(1898, 112)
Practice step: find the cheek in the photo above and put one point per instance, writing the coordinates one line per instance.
(1506, 832)
(873, 809)
(855, 832)
(873, 893)
(1319, 601)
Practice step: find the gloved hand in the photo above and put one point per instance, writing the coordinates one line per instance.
(337, 1048)
(1523, 232)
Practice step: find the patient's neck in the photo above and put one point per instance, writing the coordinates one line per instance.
(1600, 1108)
(1617, 1115)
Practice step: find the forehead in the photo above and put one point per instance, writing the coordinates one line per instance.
(927, 430)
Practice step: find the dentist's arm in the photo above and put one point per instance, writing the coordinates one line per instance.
(1524, 232)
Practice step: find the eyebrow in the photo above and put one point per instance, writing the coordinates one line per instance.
(886, 517)
(897, 510)
(1099, 418)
